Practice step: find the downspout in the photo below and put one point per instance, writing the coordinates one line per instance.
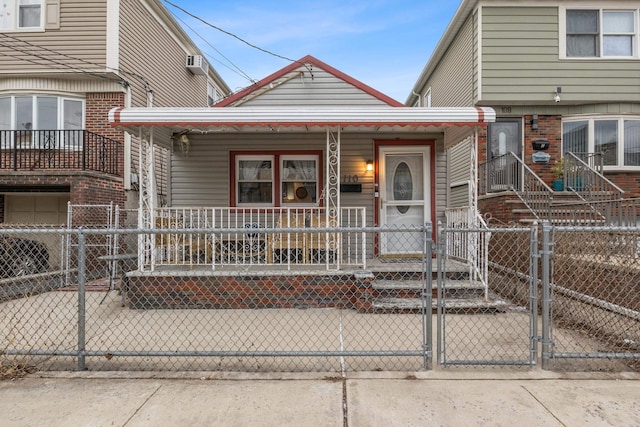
(417, 95)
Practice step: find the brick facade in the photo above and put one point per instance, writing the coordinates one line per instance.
(85, 187)
(236, 292)
(500, 206)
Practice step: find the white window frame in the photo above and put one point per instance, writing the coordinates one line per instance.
(277, 179)
(257, 157)
(620, 166)
(427, 98)
(11, 23)
(34, 113)
(635, 49)
(283, 179)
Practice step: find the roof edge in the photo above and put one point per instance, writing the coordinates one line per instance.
(459, 17)
(303, 62)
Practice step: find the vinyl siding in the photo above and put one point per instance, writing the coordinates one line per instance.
(452, 82)
(201, 178)
(459, 157)
(300, 89)
(520, 62)
(148, 49)
(81, 35)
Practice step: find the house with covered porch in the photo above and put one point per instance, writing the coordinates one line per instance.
(293, 175)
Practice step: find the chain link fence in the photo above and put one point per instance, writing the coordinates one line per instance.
(291, 317)
(595, 298)
(491, 296)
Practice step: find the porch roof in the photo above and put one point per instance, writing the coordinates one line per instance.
(317, 119)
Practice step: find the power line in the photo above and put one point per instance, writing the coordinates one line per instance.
(237, 37)
(139, 77)
(237, 70)
(65, 67)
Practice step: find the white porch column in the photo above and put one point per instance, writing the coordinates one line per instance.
(332, 190)
(146, 199)
(332, 184)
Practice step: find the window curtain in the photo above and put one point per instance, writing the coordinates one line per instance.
(305, 169)
(575, 137)
(249, 169)
(606, 140)
(5, 122)
(632, 142)
(582, 33)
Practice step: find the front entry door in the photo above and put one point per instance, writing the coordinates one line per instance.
(504, 138)
(405, 199)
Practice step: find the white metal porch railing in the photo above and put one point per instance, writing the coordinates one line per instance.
(469, 247)
(225, 236)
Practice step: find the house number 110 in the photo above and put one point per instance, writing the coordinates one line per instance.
(349, 178)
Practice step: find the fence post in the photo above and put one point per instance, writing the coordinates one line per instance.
(546, 294)
(534, 265)
(81, 299)
(440, 260)
(427, 310)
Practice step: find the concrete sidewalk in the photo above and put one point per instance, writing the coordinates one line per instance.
(443, 398)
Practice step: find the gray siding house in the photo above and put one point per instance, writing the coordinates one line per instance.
(307, 146)
(564, 80)
(65, 64)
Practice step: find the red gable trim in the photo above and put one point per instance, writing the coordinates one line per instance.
(313, 61)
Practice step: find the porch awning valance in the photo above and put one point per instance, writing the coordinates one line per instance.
(397, 119)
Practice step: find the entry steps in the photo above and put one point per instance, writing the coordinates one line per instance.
(459, 295)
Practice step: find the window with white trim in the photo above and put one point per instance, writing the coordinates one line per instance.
(21, 14)
(26, 113)
(277, 179)
(599, 33)
(617, 138)
(427, 98)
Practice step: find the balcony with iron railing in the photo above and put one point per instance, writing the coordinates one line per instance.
(70, 150)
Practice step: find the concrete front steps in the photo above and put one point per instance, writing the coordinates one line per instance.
(459, 295)
(568, 209)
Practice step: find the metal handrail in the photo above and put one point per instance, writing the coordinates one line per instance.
(509, 172)
(589, 184)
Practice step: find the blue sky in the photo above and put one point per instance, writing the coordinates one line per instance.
(383, 43)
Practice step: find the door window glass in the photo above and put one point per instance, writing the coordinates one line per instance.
(402, 185)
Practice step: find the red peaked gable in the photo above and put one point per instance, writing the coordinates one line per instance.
(317, 63)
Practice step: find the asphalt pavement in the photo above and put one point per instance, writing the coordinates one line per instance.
(427, 398)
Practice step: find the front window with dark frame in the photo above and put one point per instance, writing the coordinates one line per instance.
(278, 179)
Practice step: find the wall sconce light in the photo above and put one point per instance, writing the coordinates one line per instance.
(369, 165)
(534, 122)
(556, 96)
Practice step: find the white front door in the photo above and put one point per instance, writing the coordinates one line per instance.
(404, 197)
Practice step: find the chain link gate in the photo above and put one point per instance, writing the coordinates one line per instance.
(487, 296)
(591, 310)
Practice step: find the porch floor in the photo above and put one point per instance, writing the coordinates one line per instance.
(373, 266)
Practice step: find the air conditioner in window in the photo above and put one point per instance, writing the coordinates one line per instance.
(197, 64)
